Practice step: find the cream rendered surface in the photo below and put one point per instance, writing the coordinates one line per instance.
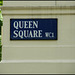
(44, 56)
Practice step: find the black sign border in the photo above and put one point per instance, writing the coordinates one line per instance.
(34, 39)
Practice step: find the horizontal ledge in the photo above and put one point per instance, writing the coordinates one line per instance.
(40, 14)
(37, 61)
(37, 7)
(40, 46)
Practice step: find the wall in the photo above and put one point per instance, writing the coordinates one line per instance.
(40, 56)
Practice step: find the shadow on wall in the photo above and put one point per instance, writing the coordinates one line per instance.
(0, 49)
(1, 23)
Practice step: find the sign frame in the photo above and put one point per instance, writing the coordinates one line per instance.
(32, 39)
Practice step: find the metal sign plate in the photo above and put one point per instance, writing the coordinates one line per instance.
(33, 29)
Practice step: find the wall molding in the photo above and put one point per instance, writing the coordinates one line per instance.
(39, 46)
(37, 61)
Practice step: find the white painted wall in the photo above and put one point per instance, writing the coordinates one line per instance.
(39, 56)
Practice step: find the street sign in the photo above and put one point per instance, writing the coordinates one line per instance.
(33, 29)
